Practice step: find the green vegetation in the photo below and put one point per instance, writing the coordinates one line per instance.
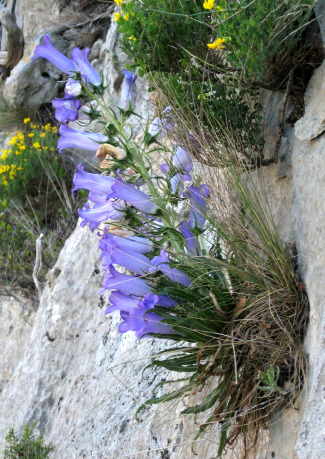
(27, 446)
(35, 184)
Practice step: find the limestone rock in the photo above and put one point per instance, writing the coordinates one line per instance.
(16, 322)
(312, 124)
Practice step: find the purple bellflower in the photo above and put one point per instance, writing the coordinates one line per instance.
(121, 302)
(150, 300)
(128, 93)
(71, 138)
(101, 212)
(92, 224)
(177, 181)
(191, 242)
(78, 63)
(134, 243)
(66, 109)
(131, 260)
(161, 263)
(130, 285)
(80, 59)
(182, 160)
(58, 59)
(92, 182)
(72, 88)
(198, 198)
(162, 127)
(143, 323)
(133, 196)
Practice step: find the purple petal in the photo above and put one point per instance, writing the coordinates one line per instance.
(182, 160)
(191, 242)
(128, 91)
(126, 284)
(80, 59)
(161, 263)
(72, 138)
(47, 51)
(66, 109)
(92, 182)
(121, 302)
(133, 196)
(101, 212)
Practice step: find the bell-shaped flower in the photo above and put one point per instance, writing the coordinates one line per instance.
(110, 210)
(132, 196)
(72, 88)
(128, 91)
(58, 59)
(92, 182)
(131, 285)
(182, 160)
(121, 302)
(198, 198)
(80, 59)
(132, 261)
(191, 242)
(66, 109)
(177, 183)
(92, 224)
(143, 323)
(161, 263)
(162, 127)
(150, 300)
(134, 243)
(72, 138)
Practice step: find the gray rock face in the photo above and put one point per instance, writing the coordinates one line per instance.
(312, 124)
(309, 216)
(16, 323)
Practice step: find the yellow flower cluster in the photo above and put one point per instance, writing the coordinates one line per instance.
(20, 143)
(118, 2)
(208, 4)
(217, 44)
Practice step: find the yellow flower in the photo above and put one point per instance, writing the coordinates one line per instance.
(118, 2)
(126, 17)
(31, 134)
(36, 145)
(22, 147)
(52, 149)
(132, 38)
(13, 140)
(5, 183)
(19, 168)
(35, 126)
(54, 129)
(220, 9)
(217, 44)
(26, 120)
(44, 148)
(47, 127)
(208, 4)
(116, 16)
(42, 134)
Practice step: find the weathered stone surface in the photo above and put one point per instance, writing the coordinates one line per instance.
(309, 217)
(312, 124)
(16, 322)
(38, 15)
